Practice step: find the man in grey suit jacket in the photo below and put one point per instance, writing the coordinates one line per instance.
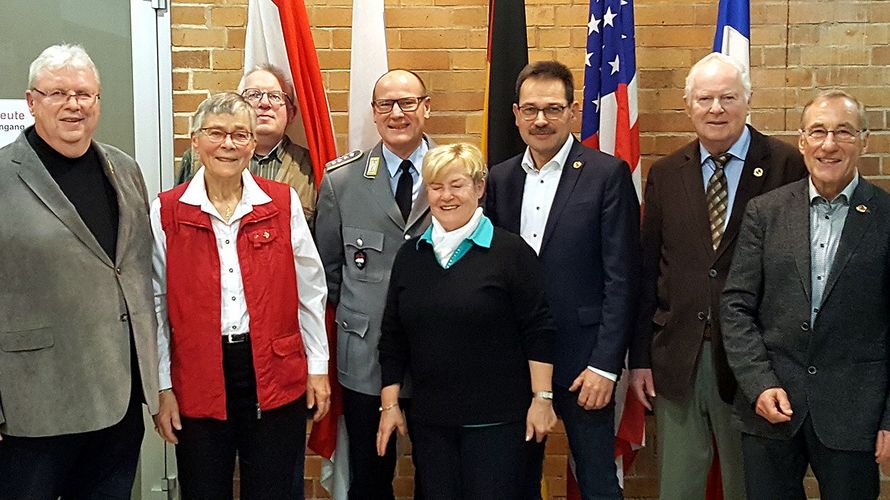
(367, 208)
(78, 354)
(806, 317)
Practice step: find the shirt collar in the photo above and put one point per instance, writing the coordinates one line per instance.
(558, 161)
(480, 237)
(738, 150)
(196, 192)
(847, 192)
(393, 161)
(275, 153)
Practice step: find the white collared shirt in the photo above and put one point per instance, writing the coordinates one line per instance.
(538, 194)
(537, 199)
(311, 285)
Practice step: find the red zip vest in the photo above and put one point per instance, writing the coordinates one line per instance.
(194, 296)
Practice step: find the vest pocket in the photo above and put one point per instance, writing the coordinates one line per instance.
(26, 340)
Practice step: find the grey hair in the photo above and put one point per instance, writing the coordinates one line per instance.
(827, 95)
(279, 75)
(740, 69)
(226, 103)
(63, 55)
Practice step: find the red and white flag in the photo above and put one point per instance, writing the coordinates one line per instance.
(367, 63)
(278, 33)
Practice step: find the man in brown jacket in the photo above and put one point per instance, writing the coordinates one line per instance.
(694, 201)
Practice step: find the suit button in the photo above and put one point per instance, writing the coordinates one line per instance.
(345, 324)
(811, 370)
(125, 317)
(712, 273)
(805, 326)
(407, 236)
(117, 270)
(701, 316)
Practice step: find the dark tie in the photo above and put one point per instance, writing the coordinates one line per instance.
(717, 198)
(404, 188)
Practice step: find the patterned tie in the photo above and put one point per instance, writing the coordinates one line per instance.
(717, 198)
(404, 187)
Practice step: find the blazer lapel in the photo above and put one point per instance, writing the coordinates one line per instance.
(125, 216)
(567, 182)
(381, 188)
(35, 176)
(798, 234)
(855, 226)
(696, 202)
(750, 185)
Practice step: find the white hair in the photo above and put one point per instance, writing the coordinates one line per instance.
(63, 55)
(713, 57)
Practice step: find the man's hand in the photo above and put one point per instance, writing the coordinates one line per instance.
(882, 448)
(318, 395)
(539, 420)
(596, 390)
(167, 418)
(773, 405)
(391, 418)
(642, 385)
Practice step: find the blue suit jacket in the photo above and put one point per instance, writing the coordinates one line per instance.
(590, 253)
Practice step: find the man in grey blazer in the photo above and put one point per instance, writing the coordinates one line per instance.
(369, 203)
(78, 354)
(806, 318)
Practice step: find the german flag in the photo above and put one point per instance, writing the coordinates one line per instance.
(507, 55)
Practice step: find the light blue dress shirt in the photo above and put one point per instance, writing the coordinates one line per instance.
(393, 162)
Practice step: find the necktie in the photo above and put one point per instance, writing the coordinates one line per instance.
(404, 188)
(717, 198)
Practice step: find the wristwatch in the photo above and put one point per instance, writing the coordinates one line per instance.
(548, 395)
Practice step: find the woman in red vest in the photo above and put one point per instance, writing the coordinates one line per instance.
(239, 296)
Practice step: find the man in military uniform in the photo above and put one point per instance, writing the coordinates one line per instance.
(369, 203)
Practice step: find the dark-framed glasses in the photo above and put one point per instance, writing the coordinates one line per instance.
(406, 104)
(218, 136)
(817, 135)
(58, 96)
(254, 96)
(551, 112)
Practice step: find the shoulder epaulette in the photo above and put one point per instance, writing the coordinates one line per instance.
(343, 160)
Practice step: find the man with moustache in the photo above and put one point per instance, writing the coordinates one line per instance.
(276, 157)
(694, 201)
(369, 203)
(78, 350)
(806, 320)
(578, 209)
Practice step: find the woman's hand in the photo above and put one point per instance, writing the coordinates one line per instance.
(167, 418)
(540, 419)
(391, 418)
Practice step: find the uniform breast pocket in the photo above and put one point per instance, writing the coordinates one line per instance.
(363, 254)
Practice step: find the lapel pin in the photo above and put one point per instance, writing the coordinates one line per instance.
(758, 172)
(578, 164)
(373, 167)
(862, 209)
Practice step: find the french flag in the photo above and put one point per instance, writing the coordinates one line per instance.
(733, 36)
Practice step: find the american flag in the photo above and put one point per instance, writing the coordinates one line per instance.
(609, 121)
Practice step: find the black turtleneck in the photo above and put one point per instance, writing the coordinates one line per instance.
(84, 183)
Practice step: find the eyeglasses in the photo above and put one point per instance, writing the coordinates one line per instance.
(817, 135)
(218, 136)
(254, 96)
(57, 97)
(406, 104)
(551, 112)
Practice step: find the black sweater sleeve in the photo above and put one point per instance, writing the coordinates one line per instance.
(393, 346)
(530, 305)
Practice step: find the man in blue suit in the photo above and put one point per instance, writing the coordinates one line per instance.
(578, 209)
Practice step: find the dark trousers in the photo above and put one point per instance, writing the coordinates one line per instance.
(89, 465)
(470, 462)
(591, 436)
(371, 475)
(774, 469)
(269, 444)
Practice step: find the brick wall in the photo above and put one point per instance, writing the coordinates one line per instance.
(799, 46)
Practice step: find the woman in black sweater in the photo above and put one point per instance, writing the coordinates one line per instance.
(467, 318)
